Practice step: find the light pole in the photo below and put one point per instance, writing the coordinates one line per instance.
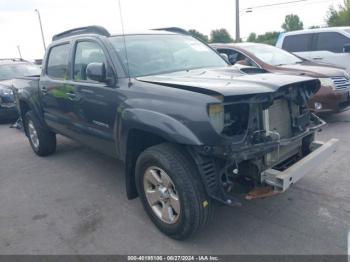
(238, 37)
(41, 28)
(19, 51)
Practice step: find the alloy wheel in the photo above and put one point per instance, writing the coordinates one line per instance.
(161, 195)
(33, 134)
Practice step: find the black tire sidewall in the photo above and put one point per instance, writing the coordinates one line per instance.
(190, 196)
(47, 139)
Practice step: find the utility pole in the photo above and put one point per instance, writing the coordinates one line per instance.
(41, 28)
(19, 51)
(238, 37)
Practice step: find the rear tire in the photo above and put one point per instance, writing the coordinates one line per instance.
(42, 140)
(171, 191)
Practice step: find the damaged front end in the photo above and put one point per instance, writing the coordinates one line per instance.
(267, 135)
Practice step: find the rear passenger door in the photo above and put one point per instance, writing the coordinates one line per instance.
(55, 89)
(300, 44)
(328, 48)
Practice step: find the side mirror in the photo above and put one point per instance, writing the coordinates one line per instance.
(225, 57)
(346, 48)
(96, 72)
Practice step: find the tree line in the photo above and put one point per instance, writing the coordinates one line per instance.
(339, 16)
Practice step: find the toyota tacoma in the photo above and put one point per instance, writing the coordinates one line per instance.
(188, 126)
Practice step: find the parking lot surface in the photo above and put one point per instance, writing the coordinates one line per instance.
(74, 202)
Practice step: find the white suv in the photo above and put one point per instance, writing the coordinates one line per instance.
(323, 45)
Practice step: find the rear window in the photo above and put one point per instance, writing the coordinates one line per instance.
(57, 66)
(297, 43)
(332, 42)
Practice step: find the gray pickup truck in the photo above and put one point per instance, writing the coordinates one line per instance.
(189, 127)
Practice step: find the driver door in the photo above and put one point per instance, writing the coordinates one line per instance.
(95, 102)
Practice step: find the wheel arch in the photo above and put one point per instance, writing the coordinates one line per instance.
(25, 105)
(137, 141)
(140, 129)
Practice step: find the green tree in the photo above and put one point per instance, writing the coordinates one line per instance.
(340, 17)
(220, 36)
(269, 38)
(292, 23)
(199, 35)
(252, 37)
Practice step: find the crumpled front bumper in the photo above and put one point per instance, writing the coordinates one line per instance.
(282, 180)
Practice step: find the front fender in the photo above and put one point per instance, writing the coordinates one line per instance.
(155, 123)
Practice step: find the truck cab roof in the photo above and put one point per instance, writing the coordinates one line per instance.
(340, 29)
(101, 31)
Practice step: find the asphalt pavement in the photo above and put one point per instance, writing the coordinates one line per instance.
(74, 202)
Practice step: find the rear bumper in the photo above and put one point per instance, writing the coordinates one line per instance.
(282, 180)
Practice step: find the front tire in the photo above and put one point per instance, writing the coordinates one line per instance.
(42, 140)
(171, 191)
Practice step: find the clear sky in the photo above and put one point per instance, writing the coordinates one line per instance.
(19, 23)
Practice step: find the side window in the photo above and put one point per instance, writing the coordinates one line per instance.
(297, 43)
(245, 60)
(333, 42)
(235, 56)
(86, 53)
(57, 66)
(232, 55)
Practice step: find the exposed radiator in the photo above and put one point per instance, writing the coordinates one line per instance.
(280, 118)
(278, 121)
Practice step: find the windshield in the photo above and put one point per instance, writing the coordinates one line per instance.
(272, 55)
(10, 71)
(157, 54)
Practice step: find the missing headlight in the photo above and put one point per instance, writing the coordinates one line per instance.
(236, 119)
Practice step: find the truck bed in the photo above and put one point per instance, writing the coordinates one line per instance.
(30, 83)
(26, 82)
(25, 87)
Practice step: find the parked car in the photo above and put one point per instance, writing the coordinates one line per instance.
(334, 94)
(326, 45)
(187, 125)
(9, 69)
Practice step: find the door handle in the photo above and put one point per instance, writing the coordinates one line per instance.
(71, 96)
(317, 58)
(43, 90)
